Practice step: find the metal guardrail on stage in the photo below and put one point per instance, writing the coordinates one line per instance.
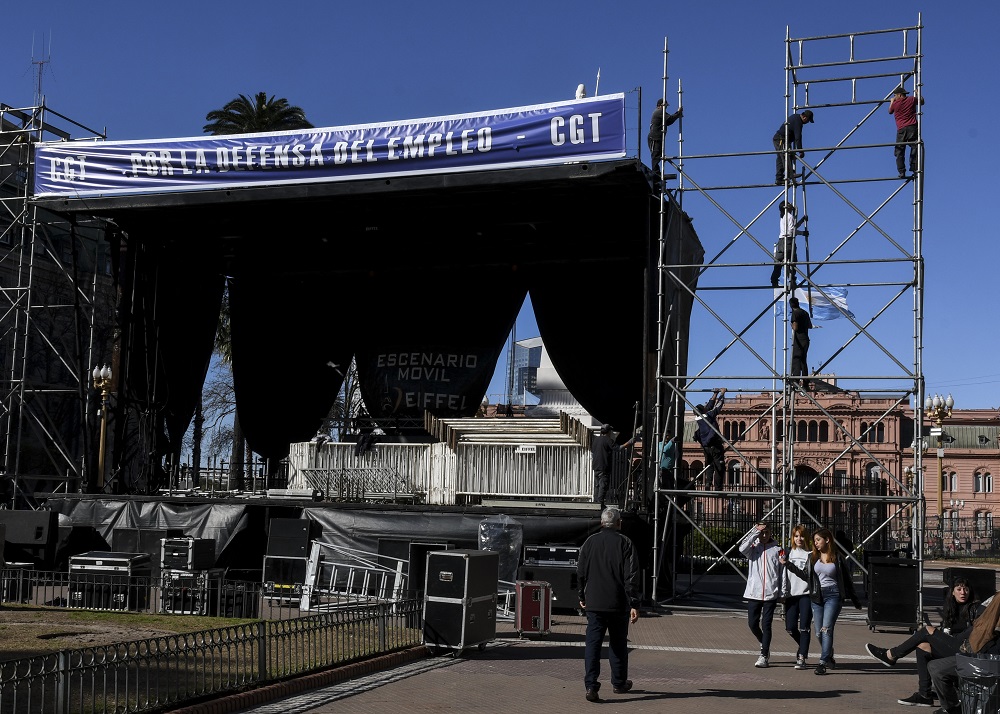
(362, 484)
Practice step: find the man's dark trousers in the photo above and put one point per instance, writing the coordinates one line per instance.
(602, 481)
(906, 136)
(715, 455)
(616, 625)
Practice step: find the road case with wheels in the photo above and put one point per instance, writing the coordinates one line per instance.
(460, 599)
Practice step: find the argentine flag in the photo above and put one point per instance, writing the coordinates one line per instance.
(824, 304)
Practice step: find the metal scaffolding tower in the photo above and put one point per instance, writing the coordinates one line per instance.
(863, 234)
(56, 320)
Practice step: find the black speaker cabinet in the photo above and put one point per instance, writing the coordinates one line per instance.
(893, 597)
(565, 585)
(143, 540)
(31, 536)
(414, 552)
(982, 580)
(460, 599)
(289, 537)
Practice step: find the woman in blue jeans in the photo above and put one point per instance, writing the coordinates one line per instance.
(829, 585)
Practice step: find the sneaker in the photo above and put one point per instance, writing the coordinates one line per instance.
(916, 700)
(593, 696)
(820, 669)
(761, 662)
(902, 175)
(779, 182)
(625, 687)
(881, 654)
(800, 662)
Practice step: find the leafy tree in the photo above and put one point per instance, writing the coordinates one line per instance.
(244, 115)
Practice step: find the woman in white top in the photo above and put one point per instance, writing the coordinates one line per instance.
(798, 608)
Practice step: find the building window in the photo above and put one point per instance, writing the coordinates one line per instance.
(840, 478)
(981, 527)
(951, 521)
(949, 481)
(824, 431)
(801, 433)
(864, 433)
(983, 482)
(813, 431)
(734, 430)
(733, 473)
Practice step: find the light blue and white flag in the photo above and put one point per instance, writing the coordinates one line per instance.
(829, 304)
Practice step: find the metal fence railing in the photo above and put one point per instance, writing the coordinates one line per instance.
(150, 674)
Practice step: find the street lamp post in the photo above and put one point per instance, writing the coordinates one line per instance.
(102, 382)
(938, 408)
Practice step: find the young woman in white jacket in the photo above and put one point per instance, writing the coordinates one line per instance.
(764, 577)
(795, 590)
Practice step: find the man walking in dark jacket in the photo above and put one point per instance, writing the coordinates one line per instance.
(608, 573)
(790, 131)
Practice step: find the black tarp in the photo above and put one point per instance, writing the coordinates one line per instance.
(240, 529)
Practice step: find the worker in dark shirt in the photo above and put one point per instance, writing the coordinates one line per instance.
(791, 131)
(801, 324)
(708, 436)
(608, 573)
(660, 119)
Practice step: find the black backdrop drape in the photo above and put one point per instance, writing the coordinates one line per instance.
(433, 277)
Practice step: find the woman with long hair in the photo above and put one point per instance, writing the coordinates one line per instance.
(795, 590)
(929, 642)
(829, 585)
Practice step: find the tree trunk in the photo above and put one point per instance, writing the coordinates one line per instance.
(237, 469)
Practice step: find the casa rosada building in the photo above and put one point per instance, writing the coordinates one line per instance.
(859, 445)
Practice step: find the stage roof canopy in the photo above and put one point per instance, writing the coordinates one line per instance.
(418, 272)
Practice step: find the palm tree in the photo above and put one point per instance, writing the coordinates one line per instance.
(244, 115)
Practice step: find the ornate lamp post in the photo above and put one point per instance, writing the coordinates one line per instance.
(938, 408)
(102, 382)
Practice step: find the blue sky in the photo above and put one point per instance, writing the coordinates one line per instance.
(150, 70)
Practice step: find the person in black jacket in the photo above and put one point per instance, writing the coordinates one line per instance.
(791, 131)
(709, 436)
(929, 642)
(608, 572)
(830, 584)
(602, 448)
(660, 119)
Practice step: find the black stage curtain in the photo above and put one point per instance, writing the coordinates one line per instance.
(169, 309)
(291, 348)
